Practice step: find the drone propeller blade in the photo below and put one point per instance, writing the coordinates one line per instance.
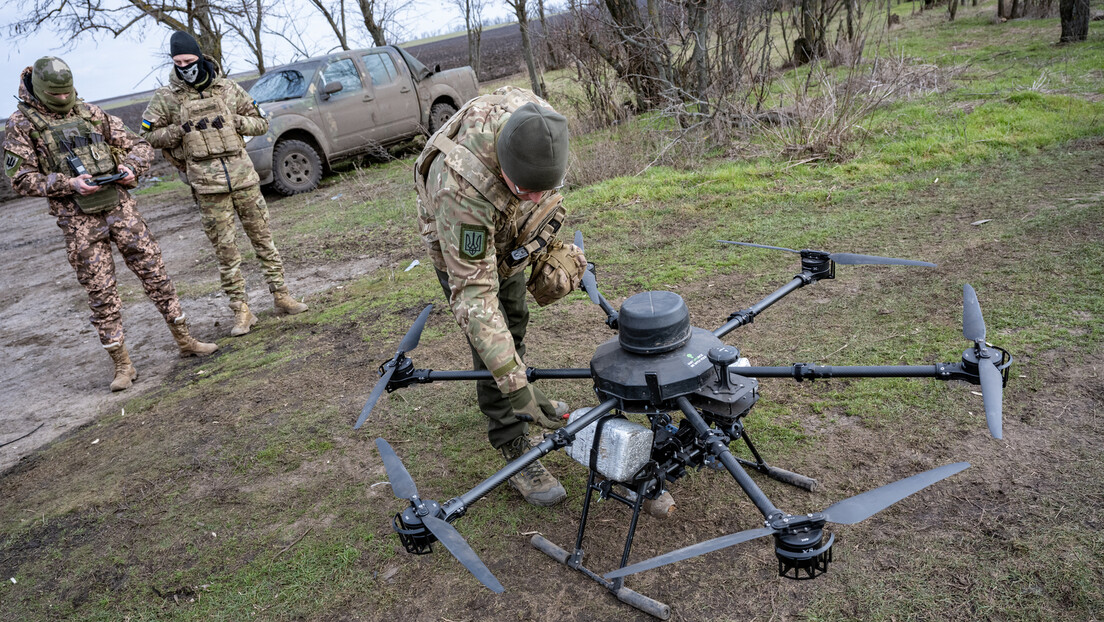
(846, 259)
(973, 325)
(851, 259)
(774, 248)
(863, 506)
(992, 383)
(460, 549)
(693, 550)
(377, 391)
(410, 341)
(992, 389)
(401, 482)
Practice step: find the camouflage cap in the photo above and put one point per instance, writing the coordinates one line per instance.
(52, 84)
(532, 148)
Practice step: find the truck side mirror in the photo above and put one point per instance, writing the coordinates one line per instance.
(330, 88)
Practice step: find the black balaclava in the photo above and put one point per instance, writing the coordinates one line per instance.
(198, 74)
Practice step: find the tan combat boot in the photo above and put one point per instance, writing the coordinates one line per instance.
(243, 319)
(189, 346)
(125, 373)
(285, 303)
(534, 482)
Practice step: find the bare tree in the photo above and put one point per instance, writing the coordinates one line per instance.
(472, 10)
(77, 18)
(519, 7)
(335, 17)
(247, 24)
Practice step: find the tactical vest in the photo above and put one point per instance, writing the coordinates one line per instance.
(536, 224)
(76, 135)
(208, 129)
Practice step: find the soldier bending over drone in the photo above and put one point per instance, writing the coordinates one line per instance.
(487, 208)
(83, 160)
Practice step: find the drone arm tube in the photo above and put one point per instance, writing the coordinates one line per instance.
(812, 371)
(720, 449)
(746, 316)
(557, 440)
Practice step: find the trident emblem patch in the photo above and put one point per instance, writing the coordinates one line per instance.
(473, 241)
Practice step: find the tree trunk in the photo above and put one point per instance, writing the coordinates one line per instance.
(367, 10)
(952, 8)
(699, 24)
(1075, 20)
(527, 45)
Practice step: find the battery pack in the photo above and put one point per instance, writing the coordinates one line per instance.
(624, 447)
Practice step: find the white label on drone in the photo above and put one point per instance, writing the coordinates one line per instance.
(694, 360)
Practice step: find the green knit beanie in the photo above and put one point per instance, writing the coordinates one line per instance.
(532, 148)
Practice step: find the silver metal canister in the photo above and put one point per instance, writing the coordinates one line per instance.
(624, 447)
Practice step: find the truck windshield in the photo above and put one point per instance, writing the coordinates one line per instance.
(279, 85)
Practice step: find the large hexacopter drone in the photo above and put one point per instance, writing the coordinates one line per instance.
(662, 367)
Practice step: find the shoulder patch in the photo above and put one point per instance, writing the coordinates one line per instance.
(146, 125)
(12, 162)
(473, 241)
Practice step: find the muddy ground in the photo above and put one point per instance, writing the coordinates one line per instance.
(54, 374)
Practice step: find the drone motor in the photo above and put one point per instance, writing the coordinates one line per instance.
(413, 533)
(799, 563)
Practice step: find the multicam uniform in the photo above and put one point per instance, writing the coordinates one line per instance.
(35, 171)
(218, 168)
(480, 238)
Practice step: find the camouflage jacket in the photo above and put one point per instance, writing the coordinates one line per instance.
(165, 119)
(25, 157)
(469, 234)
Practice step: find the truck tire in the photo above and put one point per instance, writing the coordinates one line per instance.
(296, 167)
(438, 114)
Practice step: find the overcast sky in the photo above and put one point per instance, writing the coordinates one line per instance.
(138, 60)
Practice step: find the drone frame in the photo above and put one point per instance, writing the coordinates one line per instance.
(701, 440)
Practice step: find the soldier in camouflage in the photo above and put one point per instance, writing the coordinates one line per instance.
(59, 147)
(487, 209)
(198, 122)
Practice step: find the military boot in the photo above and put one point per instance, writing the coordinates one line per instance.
(243, 318)
(285, 303)
(189, 346)
(534, 482)
(125, 373)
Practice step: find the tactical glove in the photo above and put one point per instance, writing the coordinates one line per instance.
(530, 404)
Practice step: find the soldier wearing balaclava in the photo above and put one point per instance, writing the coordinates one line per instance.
(198, 121)
(83, 160)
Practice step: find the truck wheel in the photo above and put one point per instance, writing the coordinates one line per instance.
(439, 114)
(296, 167)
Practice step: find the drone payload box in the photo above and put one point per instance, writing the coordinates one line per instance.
(623, 448)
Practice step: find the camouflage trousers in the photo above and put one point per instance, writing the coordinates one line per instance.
(218, 223)
(88, 240)
(502, 425)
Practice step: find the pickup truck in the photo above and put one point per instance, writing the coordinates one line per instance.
(347, 104)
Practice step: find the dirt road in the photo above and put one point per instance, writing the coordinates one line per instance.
(54, 374)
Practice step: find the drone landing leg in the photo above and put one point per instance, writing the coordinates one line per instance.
(575, 560)
(782, 475)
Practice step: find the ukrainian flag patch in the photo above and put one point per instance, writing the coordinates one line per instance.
(146, 124)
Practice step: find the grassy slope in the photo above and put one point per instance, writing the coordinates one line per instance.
(239, 491)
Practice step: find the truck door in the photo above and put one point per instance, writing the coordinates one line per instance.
(343, 112)
(395, 108)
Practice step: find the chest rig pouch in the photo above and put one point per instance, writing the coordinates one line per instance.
(529, 226)
(208, 129)
(74, 141)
